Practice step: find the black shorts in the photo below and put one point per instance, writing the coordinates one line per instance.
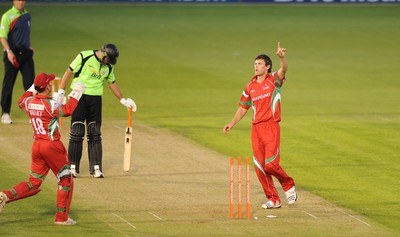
(88, 109)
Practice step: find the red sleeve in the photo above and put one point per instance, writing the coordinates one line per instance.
(21, 101)
(67, 109)
(278, 82)
(245, 100)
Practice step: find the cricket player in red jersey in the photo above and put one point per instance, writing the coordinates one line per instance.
(48, 152)
(263, 95)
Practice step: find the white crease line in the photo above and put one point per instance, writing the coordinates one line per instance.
(365, 223)
(155, 216)
(119, 127)
(124, 220)
(310, 215)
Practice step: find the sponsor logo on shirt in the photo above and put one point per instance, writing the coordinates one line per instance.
(104, 71)
(35, 106)
(35, 109)
(260, 97)
(95, 75)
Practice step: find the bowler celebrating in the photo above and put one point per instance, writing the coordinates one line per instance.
(263, 95)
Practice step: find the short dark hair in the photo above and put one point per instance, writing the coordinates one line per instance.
(39, 89)
(266, 59)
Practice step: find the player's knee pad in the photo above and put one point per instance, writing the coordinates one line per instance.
(94, 145)
(64, 183)
(77, 133)
(64, 174)
(93, 132)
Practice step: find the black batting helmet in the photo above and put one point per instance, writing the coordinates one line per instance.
(111, 52)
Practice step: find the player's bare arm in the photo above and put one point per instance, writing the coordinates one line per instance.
(59, 95)
(128, 102)
(116, 91)
(240, 113)
(281, 52)
(6, 46)
(65, 79)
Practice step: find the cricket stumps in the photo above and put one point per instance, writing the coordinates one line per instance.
(239, 188)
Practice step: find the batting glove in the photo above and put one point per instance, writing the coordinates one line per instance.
(77, 90)
(129, 103)
(79, 86)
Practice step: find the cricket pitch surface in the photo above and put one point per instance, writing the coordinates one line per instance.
(178, 188)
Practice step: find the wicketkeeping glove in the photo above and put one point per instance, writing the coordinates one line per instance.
(77, 90)
(32, 89)
(59, 96)
(55, 96)
(129, 103)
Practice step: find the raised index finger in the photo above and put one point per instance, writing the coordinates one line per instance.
(279, 44)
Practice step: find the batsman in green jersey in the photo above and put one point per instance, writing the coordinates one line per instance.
(92, 68)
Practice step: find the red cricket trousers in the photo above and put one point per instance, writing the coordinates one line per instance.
(47, 155)
(265, 139)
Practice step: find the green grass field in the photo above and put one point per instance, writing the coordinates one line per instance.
(186, 66)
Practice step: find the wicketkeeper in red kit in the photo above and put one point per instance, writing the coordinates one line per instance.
(48, 152)
(262, 93)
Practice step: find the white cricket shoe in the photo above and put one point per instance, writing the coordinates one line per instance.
(291, 196)
(6, 119)
(270, 204)
(98, 174)
(3, 200)
(67, 222)
(73, 171)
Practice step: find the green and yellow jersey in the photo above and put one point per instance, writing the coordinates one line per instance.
(91, 72)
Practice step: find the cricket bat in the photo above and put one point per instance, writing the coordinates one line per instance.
(128, 142)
